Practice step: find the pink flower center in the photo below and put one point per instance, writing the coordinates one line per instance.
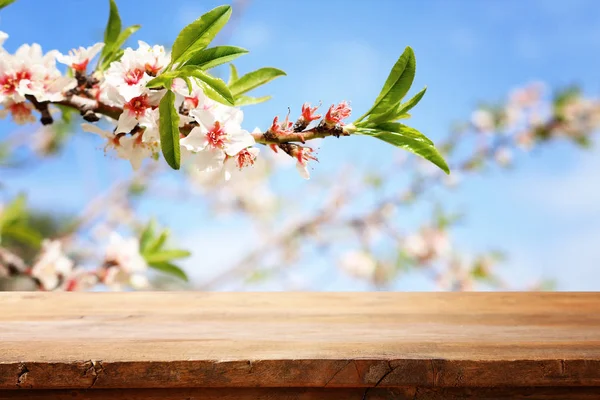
(20, 111)
(71, 285)
(285, 128)
(192, 102)
(152, 69)
(138, 105)
(308, 113)
(336, 114)
(81, 67)
(133, 76)
(216, 136)
(245, 159)
(304, 155)
(9, 83)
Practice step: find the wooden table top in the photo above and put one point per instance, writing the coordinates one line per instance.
(312, 340)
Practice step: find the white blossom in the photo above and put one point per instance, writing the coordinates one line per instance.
(78, 59)
(21, 112)
(483, 120)
(503, 156)
(30, 72)
(3, 37)
(138, 110)
(218, 135)
(79, 280)
(128, 147)
(427, 244)
(125, 264)
(52, 265)
(244, 158)
(127, 78)
(358, 264)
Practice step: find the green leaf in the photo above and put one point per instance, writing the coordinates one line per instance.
(123, 36)
(387, 116)
(147, 235)
(4, 3)
(409, 139)
(188, 83)
(166, 255)
(170, 269)
(66, 113)
(159, 242)
(233, 75)
(113, 27)
(397, 127)
(215, 95)
(197, 35)
(23, 234)
(116, 56)
(113, 52)
(258, 276)
(399, 112)
(13, 212)
(161, 81)
(397, 84)
(406, 107)
(210, 58)
(247, 100)
(213, 87)
(13, 223)
(169, 130)
(564, 95)
(254, 79)
(583, 141)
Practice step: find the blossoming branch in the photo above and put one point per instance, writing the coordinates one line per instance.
(157, 102)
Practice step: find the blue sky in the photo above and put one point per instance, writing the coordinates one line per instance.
(545, 214)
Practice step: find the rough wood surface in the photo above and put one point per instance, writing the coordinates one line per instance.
(432, 341)
(406, 393)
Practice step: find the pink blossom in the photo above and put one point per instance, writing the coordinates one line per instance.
(308, 113)
(21, 112)
(281, 129)
(78, 59)
(336, 114)
(303, 155)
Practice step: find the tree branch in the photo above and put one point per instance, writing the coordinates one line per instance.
(266, 138)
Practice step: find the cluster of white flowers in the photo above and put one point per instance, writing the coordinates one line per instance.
(249, 190)
(523, 108)
(216, 140)
(123, 266)
(53, 270)
(29, 72)
(581, 115)
(530, 115)
(358, 264)
(428, 244)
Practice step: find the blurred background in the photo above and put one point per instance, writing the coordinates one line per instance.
(512, 99)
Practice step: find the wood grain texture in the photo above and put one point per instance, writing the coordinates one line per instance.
(435, 342)
(403, 393)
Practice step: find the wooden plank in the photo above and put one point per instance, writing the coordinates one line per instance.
(303, 340)
(406, 393)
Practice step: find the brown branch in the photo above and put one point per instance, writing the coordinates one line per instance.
(42, 107)
(318, 132)
(101, 108)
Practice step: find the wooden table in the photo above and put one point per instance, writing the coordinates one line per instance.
(299, 346)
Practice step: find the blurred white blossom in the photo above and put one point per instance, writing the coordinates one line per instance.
(358, 264)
